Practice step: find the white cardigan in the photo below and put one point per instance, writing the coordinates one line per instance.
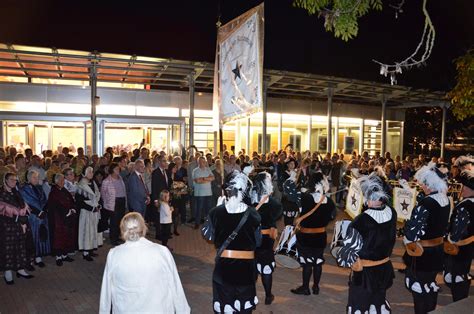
(141, 277)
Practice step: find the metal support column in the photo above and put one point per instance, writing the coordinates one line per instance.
(191, 109)
(248, 137)
(310, 125)
(336, 136)
(402, 135)
(280, 130)
(264, 120)
(329, 125)
(361, 136)
(443, 130)
(93, 83)
(2, 137)
(383, 130)
(237, 141)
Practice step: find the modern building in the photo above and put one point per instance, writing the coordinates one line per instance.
(55, 97)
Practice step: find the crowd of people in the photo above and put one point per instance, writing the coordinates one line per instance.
(58, 203)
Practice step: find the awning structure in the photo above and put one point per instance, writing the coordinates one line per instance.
(51, 63)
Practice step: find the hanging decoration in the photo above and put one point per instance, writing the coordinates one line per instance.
(425, 47)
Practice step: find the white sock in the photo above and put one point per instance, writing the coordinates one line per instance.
(22, 272)
(64, 256)
(38, 260)
(8, 275)
(85, 253)
(58, 258)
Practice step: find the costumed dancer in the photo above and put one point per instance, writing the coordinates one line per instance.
(311, 239)
(291, 193)
(367, 248)
(234, 275)
(424, 233)
(461, 237)
(270, 211)
(35, 197)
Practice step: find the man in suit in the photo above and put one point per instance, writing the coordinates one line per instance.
(137, 193)
(159, 182)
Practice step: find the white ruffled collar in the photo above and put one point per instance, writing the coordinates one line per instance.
(441, 198)
(235, 209)
(380, 216)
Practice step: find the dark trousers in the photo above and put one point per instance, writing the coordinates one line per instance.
(165, 233)
(425, 302)
(115, 218)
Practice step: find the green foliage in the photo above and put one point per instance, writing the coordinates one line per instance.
(461, 95)
(340, 16)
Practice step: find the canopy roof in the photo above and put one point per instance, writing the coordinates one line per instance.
(63, 64)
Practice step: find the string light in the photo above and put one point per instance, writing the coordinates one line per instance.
(427, 41)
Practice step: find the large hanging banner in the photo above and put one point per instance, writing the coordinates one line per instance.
(238, 73)
(404, 200)
(354, 200)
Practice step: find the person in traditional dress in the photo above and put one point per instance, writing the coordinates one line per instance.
(461, 234)
(311, 239)
(35, 197)
(62, 210)
(367, 248)
(234, 275)
(13, 231)
(270, 211)
(132, 271)
(424, 233)
(87, 201)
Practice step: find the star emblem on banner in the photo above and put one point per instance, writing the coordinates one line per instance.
(404, 206)
(236, 70)
(354, 200)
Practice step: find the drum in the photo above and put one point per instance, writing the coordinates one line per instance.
(340, 231)
(286, 254)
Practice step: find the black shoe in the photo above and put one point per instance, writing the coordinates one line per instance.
(202, 221)
(315, 290)
(18, 275)
(196, 226)
(190, 220)
(68, 259)
(301, 290)
(176, 233)
(269, 300)
(30, 268)
(93, 254)
(87, 258)
(11, 282)
(59, 262)
(40, 264)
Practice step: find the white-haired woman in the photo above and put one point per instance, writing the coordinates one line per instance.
(367, 248)
(33, 194)
(424, 233)
(141, 276)
(87, 201)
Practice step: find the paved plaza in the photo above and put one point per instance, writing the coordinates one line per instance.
(75, 287)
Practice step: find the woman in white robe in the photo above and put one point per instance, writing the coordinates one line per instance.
(140, 276)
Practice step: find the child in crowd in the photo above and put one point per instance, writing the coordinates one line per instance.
(165, 217)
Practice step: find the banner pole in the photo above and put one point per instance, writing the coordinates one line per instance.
(221, 153)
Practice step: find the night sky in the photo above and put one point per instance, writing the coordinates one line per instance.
(294, 40)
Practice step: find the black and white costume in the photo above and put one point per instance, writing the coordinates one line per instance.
(234, 279)
(428, 221)
(457, 267)
(291, 196)
(370, 238)
(270, 211)
(311, 245)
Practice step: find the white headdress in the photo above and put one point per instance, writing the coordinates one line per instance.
(432, 178)
(262, 185)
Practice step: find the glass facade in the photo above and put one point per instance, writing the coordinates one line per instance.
(304, 132)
